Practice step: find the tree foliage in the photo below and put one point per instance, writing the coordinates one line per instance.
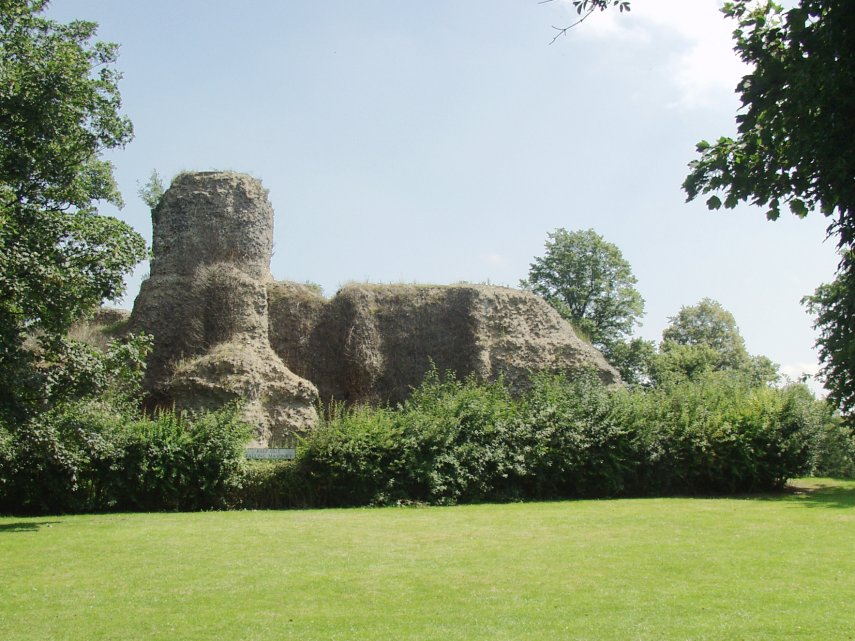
(59, 110)
(711, 325)
(590, 283)
(796, 134)
(152, 191)
(834, 306)
(633, 360)
(705, 338)
(796, 147)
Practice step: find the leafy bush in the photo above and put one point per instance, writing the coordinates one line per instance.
(834, 450)
(88, 457)
(717, 435)
(461, 441)
(452, 441)
(832, 440)
(275, 485)
(180, 462)
(350, 457)
(457, 441)
(40, 471)
(572, 441)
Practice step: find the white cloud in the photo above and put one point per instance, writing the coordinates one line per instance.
(703, 69)
(794, 371)
(493, 259)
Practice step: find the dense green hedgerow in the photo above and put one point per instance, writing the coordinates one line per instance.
(452, 441)
(462, 441)
(88, 457)
(715, 435)
(572, 440)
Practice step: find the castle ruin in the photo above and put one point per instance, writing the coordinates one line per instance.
(225, 330)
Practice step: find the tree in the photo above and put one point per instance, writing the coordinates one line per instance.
(834, 306)
(634, 360)
(711, 325)
(796, 135)
(703, 338)
(59, 259)
(796, 146)
(590, 283)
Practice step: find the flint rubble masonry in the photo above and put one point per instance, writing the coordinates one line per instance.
(225, 331)
(206, 305)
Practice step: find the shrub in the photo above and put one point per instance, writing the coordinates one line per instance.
(274, 485)
(177, 461)
(88, 457)
(349, 458)
(457, 441)
(451, 441)
(40, 471)
(462, 441)
(833, 451)
(572, 441)
(831, 439)
(716, 435)
(6, 458)
(218, 440)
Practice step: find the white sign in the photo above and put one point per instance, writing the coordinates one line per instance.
(271, 453)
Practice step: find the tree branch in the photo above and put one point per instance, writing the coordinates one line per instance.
(563, 30)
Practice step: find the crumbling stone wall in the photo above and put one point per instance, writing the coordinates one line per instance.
(205, 302)
(374, 343)
(223, 330)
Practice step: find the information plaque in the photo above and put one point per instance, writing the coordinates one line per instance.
(271, 453)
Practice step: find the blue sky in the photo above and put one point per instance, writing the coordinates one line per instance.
(438, 142)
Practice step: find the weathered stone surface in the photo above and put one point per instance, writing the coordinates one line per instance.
(277, 401)
(225, 331)
(213, 217)
(206, 305)
(373, 343)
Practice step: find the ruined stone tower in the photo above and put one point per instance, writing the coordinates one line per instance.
(224, 330)
(205, 302)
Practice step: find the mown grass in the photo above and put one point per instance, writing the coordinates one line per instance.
(780, 567)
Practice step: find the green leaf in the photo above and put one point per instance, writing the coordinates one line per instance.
(59, 111)
(798, 207)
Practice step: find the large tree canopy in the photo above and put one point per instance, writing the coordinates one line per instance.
(796, 132)
(795, 145)
(705, 337)
(590, 283)
(59, 110)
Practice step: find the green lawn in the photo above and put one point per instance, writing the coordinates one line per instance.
(720, 569)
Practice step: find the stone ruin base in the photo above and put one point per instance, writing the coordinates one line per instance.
(225, 331)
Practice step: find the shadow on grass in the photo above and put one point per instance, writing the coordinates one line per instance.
(827, 493)
(26, 526)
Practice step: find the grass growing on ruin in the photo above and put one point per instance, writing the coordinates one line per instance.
(761, 568)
